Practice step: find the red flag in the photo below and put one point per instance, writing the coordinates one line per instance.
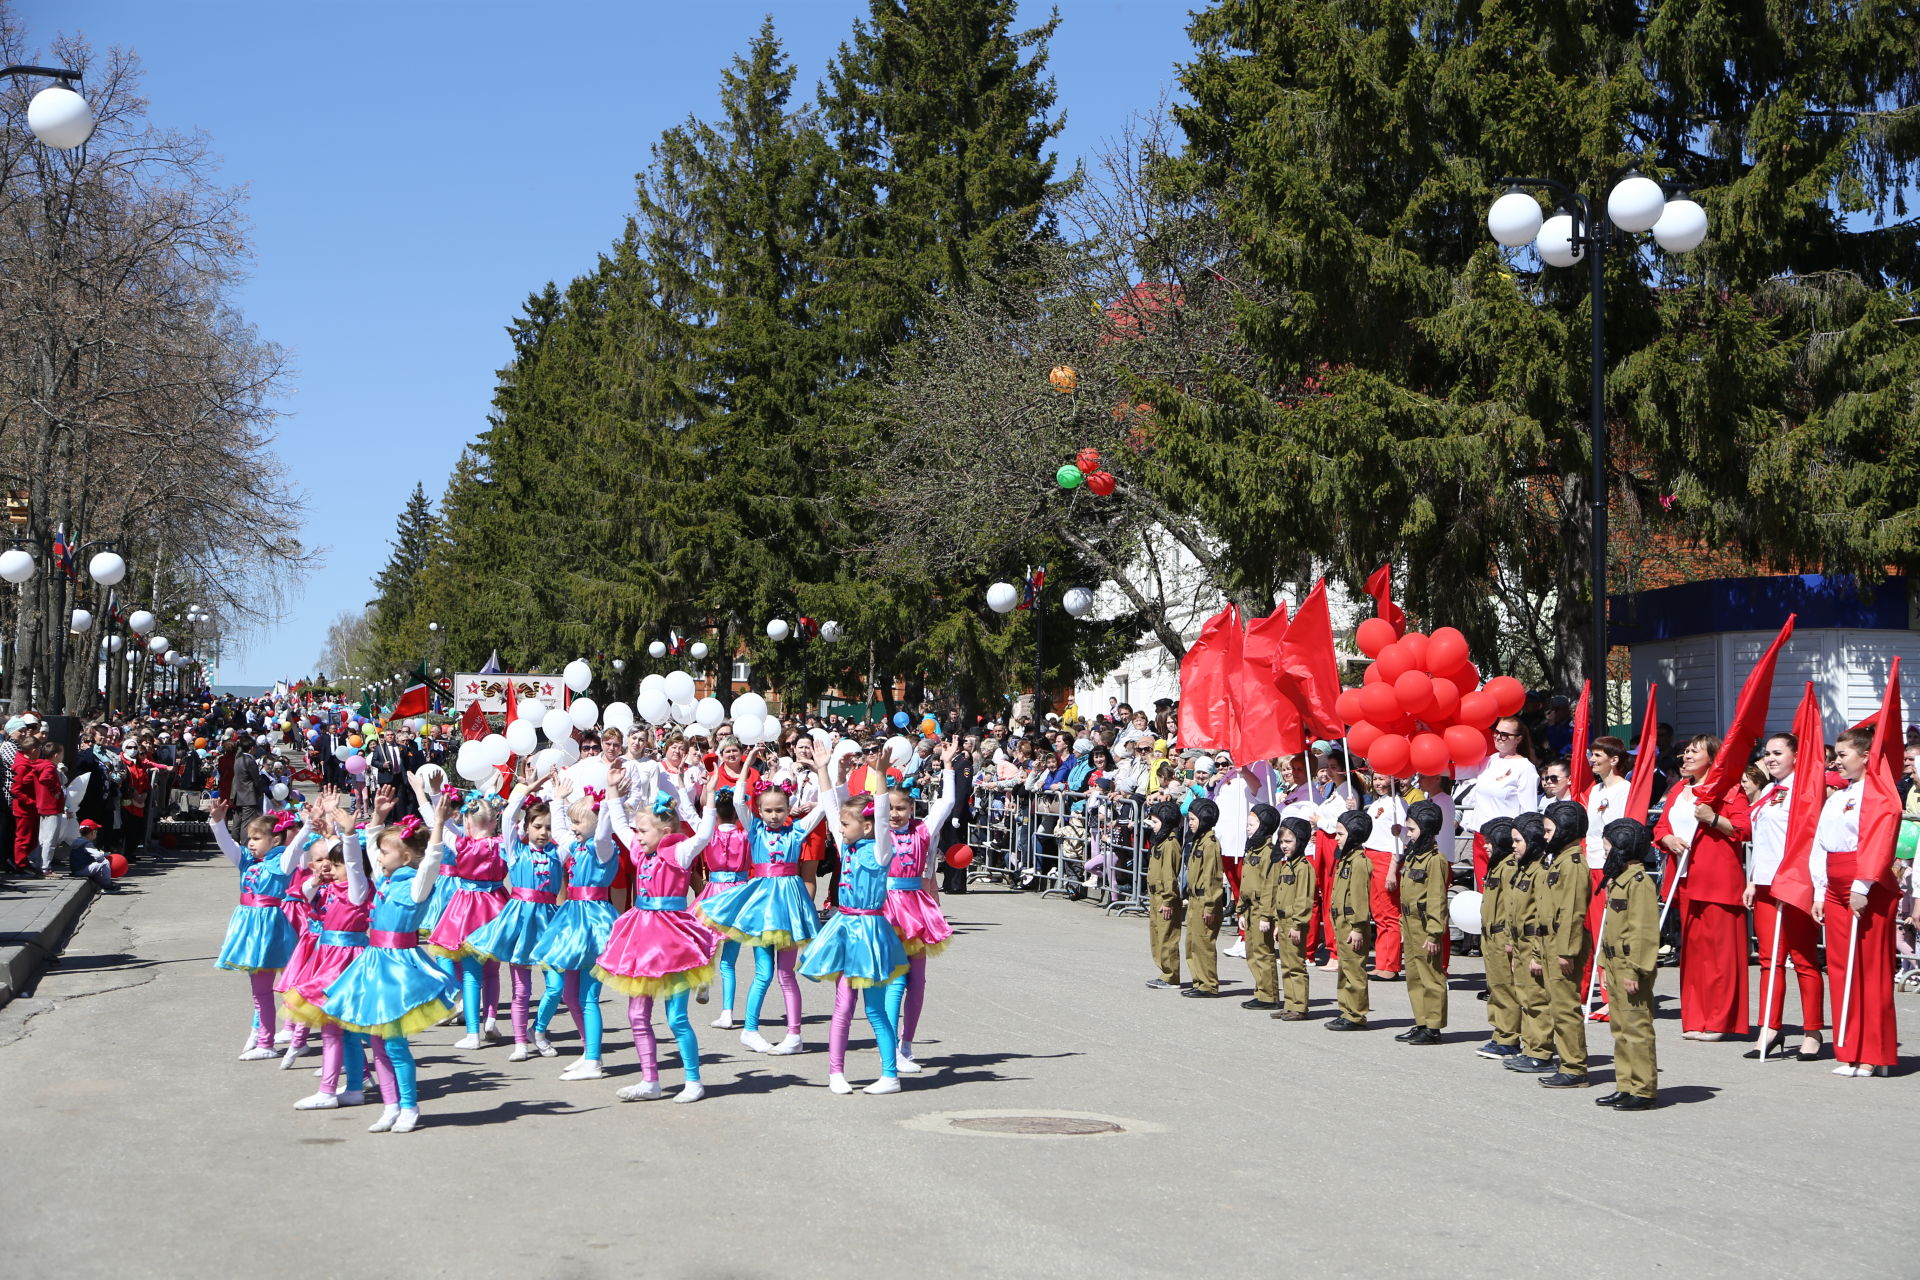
(414, 700)
(1266, 724)
(1380, 587)
(473, 723)
(1579, 770)
(1640, 786)
(1206, 698)
(1308, 671)
(513, 704)
(1749, 720)
(1792, 883)
(1880, 801)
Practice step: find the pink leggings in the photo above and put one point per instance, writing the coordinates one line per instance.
(640, 1016)
(884, 1034)
(337, 1050)
(905, 995)
(763, 975)
(263, 1007)
(522, 1000)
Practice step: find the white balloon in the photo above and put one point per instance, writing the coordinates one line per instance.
(60, 118)
(1002, 596)
(619, 664)
(683, 713)
(159, 644)
(279, 791)
(1682, 226)
(557, 724)
(1555, 242)
(1636, 203)
(140, 622)
(585, 713)
(655, 706)
(698, 650)
(342, 751)
(1464, 911)
(494, 749)
(16, 565)
(618, 715)
(658, 649)
(830, 632)
(590, 773)
(546, 762)
(655, 681)
(107, 569)
(750, 704)
(709, 712)
(568, 749)
(578, 675)
(82, 622)
(474, 767)
(1078, 602)
(1514, 219)
(778, 629)
(770, 730)
(748, 728)
(679, 686)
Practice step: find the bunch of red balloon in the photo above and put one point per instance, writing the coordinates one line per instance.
(1085, 469)
(1421, 707)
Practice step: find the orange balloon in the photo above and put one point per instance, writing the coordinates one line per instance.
(353, 739)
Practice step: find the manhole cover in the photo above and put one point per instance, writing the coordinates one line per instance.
(1050, 1126)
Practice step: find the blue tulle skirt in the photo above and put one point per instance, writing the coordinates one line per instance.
(257, 938)
(389, 991)
(576, 935)
(766, 911)
(864, 950)
(513, 936)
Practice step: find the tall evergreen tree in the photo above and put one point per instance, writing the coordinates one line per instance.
(395, 623)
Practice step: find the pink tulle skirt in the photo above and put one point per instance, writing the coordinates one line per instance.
(298, 963)
(653, 952)
(466, 911)
(915, 915)
(327, 965)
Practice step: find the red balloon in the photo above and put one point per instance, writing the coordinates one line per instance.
(1478, 710)
(1428, 753)
(1347, 707)
(959, 857)
(1088, 460)
(1393, 662)
(1361, 736)
(1101, 482)
(1446, 700)
(1379, 702)
(1508, 694)
(1466, 745)
(1446, 649)
(1416, 647)
(1466, 676)
(1415, 691)
(1389, 755)
(1373, 635)
(1371, 675)
(117, 865)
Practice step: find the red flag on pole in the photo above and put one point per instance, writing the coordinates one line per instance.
(1749, 720)
(1792, 883)
(1309, 673)
(1380, 587)
(473, 723)
(1206, 700)
(1579, 769)
(1266, 724)
(1880, 799)
(1640, 786)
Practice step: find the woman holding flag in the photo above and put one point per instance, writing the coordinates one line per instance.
(1703, 834)
(1785, 931)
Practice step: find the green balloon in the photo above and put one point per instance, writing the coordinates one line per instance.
(1069, 477)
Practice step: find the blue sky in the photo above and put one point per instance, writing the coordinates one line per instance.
(416, 168)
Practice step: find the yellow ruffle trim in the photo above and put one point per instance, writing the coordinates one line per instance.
(915, 947)
(858, 984)
(464, 953)
(303, 1010)
(670, 985)
(430, 1014)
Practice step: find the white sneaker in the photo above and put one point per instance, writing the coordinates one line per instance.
(317, 1102)
(352, 1098)
(645, 1091)
(282, 1038)
(755, 1041)
(885, 1084)
(467, 1042)
(1238, 950)
(838, 1083)
(691, 1091)
(585, 1069)
(789, 1045)
(1847, 1069)
(385, 1122)
(543, 1046)
(519, 1053)
(259, 1053)
(704, 993)
(289, 1059)
(491, 1030)
(907, 1066)
(724, 1021)
(407, 1120)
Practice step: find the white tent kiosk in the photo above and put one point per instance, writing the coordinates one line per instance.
(1698, 641)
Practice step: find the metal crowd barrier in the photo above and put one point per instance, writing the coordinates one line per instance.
(1070, 844)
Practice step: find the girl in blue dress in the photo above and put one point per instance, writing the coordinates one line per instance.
(512, 937)
(390, 990)
(771, 912)
(260, 939)
(858, 949)
(579, 930)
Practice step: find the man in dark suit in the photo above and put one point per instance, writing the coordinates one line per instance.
(390, 763)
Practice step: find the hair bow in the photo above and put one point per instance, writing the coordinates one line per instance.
(662, 804)
(866, 810)
(595, 794)
(283, 823)
(471, 802)
(409, 825)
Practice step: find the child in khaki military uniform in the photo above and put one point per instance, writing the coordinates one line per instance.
(1423, 925)
(1166, 908)
(1257, 883)
(1351, 903)
(1294, 896)
(1631, 952)
(1204, 881)
(1560, 910)
(1499, 938)
(1524, 885)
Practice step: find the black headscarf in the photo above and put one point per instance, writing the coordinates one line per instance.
(1426, 817)
(1531, 828)
(1497, 834)
(1569, 822)
(1628, 842)
(1266, 820)
(1302, 835)
(1206, 813)
(1166, 816)
(1358, 827)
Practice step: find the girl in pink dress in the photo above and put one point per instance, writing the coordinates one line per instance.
(478, 873)
(725, 862)
(913, 904)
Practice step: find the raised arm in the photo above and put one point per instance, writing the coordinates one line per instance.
(603, 847)
(436, 843)
(359, 886)
(687, 850)
(222, 838)
(882, 840)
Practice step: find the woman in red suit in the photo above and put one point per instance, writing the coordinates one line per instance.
(1713, 913)
(1868, 1042)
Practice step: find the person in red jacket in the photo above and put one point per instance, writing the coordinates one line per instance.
(133, 800)
(1713, 914)
(30, 766)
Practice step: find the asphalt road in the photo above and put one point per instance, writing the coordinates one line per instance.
(135, 1145)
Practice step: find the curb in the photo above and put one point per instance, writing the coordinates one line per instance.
(27, 950)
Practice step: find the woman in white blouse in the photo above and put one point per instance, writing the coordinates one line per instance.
(1866, 1041)
(1507, 786)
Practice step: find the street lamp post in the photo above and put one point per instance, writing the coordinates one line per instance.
(58, 115)
(1636, 204)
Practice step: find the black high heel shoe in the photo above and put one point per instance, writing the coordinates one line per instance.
(1775, 1050)
(1802, 1055)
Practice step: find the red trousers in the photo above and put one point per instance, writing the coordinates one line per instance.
(1230, 867)
(1799, 942)
(1596, 912)
(1713, 967)
(1323, 855)
(1870, 1036)
(1386, 916)
(1479, 861)
(26, 832)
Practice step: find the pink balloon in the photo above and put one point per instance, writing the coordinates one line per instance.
(356, 765)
